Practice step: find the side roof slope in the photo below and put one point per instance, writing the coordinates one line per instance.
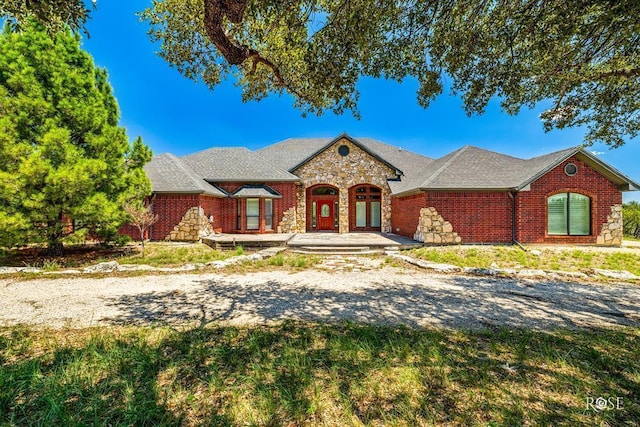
(235, 164)
(168, 174)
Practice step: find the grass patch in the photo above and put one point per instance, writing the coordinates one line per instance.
(513, 257)
(172, 255)
(309, 374)
(287, 260)
(277, 260)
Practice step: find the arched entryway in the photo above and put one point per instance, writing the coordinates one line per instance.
(323, 208)
(365, 208)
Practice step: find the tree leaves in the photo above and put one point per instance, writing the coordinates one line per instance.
(583, 56)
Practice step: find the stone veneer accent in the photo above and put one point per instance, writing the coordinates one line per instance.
(358, 167)
(192, 227)
(288, 223)
(611, 233)
(432, 228)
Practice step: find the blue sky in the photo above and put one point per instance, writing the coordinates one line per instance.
(174, 114)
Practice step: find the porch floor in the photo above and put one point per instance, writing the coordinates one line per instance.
(345, 240)
(325, 242)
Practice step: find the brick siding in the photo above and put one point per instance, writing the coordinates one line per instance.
(477, 217)
(532, 205)
(405, 212)
(170, 209)
(486, 217)
(229, 206)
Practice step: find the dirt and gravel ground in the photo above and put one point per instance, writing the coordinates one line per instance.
(363, 294)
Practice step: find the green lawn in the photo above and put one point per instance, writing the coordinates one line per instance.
(309, 374)
(514, 257)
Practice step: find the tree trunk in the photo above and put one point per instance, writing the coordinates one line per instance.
(142, 241)
(55, 248)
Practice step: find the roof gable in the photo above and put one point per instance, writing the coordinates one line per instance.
(550, 161)
(354, 142)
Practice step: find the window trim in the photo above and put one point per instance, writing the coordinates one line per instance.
(568, 214)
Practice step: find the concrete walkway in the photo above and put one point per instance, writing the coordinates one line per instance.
(345, 240)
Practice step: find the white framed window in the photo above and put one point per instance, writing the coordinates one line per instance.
(569, 214)
(268, 214)
(253, 214)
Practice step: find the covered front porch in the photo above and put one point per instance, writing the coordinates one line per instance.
(314, 242)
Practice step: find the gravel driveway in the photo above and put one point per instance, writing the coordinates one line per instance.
(388, 295)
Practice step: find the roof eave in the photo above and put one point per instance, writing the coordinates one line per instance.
(627, 185)
(418, 190)
(221, 196)
(252, 180)
(472, 189)
(406, 193)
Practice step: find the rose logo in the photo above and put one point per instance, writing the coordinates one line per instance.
(601, 404)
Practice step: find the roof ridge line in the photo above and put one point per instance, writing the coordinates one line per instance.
(214, 148)
(443, 167)
(396, 147)
(272, 164)
(575, 147)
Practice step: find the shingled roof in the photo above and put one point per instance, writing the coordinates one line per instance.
(469, 168)
(236, 164)
(473, 168)
(168, 174)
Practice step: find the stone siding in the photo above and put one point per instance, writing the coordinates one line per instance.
(611, 233)
(432, 228)
(192, 227)
(288, 223)
(343, 172)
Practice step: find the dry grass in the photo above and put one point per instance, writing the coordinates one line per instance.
(575, 259)
(310, 374)
(160, 254)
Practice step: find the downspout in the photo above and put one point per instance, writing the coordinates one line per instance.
(513, 221)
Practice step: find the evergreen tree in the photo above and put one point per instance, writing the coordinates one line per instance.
(62, 154)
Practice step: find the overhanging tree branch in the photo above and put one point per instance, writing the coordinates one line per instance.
(215, 11)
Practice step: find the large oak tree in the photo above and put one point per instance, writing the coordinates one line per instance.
(62, 154)
(581, 55)
(577, 60)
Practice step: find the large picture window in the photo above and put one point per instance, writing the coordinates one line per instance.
(569, 214)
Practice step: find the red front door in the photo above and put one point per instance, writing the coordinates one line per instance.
(325, 214)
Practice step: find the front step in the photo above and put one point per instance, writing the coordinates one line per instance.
(337, 250)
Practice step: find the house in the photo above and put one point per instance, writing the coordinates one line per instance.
(348, 184)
